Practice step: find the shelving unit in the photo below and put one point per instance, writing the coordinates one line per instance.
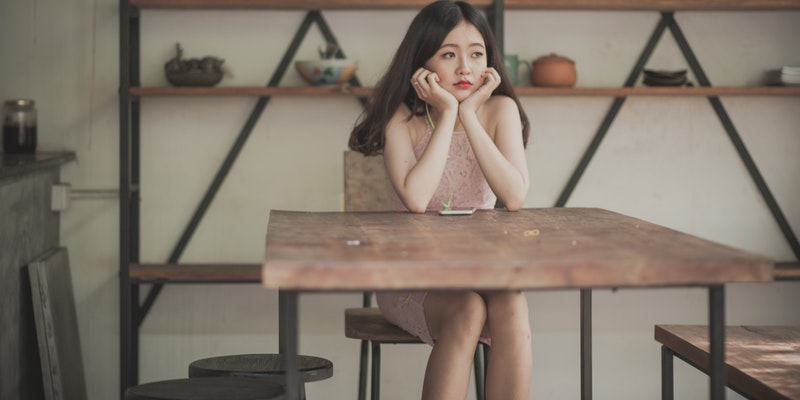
(525, 91)
(133, 274)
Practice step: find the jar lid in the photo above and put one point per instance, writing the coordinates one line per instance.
(553, 58)
(20, 102)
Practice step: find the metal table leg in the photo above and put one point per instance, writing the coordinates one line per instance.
(716, 319)
(586, 344)
(667, 374)
(288, 340)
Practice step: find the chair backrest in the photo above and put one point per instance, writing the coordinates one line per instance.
(364, 189)
(364, 183)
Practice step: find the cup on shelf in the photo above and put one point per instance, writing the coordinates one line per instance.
(513, 64)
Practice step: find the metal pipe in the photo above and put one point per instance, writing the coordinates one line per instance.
(91, 194)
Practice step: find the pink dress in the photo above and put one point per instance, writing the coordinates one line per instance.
(464, 180)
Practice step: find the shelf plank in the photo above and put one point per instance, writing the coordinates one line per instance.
(521, 91)
(251, 91)
(787, 271)
(509, 4)
(662, 91)
(659, 5)
(195, 273)
(290, 4)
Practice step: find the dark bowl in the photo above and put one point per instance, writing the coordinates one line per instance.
(664, 74)
(194, 78)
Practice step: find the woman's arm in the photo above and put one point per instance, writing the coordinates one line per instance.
(502, 157)
(415, 181)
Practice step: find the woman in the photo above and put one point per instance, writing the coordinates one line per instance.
(453, 132)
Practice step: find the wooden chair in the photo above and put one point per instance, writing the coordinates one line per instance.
(365, 190)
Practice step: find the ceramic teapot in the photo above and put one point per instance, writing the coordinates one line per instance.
(553, 71)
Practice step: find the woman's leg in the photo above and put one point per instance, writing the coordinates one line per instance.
(455, 321)
(510, 359)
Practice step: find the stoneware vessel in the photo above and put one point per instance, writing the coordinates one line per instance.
(330, 72)
(553, 71)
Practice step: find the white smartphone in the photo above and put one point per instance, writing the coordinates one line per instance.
(457, 211)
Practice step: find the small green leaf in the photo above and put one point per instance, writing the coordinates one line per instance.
(446, 206)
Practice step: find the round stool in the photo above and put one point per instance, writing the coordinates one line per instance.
(229, 388)
(270, 367)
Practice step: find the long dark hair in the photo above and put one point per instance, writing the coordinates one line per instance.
(424, 37)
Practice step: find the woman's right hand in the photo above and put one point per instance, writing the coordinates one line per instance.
(426, 84)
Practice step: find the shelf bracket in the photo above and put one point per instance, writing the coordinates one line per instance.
(311, 17)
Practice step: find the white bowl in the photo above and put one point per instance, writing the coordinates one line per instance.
(330, 72)
(789, 70)
(790, 79)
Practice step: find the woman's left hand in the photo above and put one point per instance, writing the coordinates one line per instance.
(491, 80)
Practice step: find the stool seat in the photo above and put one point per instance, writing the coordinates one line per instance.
(218, 388)
(261, 366)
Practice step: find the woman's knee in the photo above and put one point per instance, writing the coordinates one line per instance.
(508, 309)
(456, 313)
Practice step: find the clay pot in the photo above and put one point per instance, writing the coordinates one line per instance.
(553, 71)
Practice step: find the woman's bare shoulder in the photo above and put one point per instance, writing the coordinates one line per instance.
(400, 116)
(497, 109)
(500, 102)
(403, 121)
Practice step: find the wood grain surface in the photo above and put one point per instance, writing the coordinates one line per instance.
(493, 249)
(762, 362)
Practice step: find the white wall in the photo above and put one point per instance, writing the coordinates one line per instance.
(666, 160)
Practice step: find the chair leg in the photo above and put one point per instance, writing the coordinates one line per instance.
(362, 370)
(376, 371)
(667, 380)
(486, 349)
(480, 373)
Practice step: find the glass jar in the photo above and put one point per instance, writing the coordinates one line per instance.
(19, 126)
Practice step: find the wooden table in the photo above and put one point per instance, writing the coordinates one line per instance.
(550, 248)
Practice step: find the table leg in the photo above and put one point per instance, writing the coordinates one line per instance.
(288, 340)
(667, 374)
(716, 319)
(586, 344)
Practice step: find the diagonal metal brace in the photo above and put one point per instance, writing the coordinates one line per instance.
(733, 134)
(227, 164)
(611, 114)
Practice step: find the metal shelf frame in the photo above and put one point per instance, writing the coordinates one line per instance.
(133, 309)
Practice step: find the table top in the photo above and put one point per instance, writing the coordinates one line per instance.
(546, 248)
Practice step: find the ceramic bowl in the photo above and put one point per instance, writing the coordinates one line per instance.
(326, 72)
(790, 70)
(664, 77)
(194, 78)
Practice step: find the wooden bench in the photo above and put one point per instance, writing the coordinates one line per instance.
(761, 362)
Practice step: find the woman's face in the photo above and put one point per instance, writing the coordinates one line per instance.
(460, 61)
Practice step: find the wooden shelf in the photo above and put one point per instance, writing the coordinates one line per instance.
(663, 91)
(521, 91)
(787, 271)
(195, 273)
(509, 4)
(250, 91)
(658, 5)
(290, 4)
